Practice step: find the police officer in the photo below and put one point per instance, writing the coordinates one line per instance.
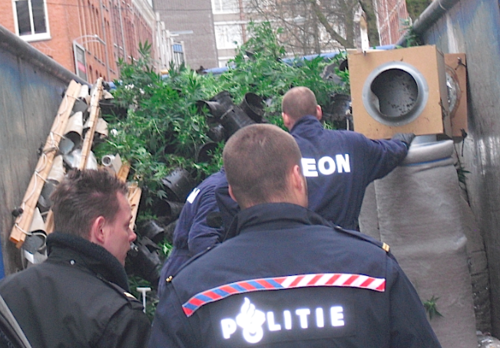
(287, 278)
(338, 165)
(193, 232)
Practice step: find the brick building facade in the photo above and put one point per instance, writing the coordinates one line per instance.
(85, 36)
(392, 20)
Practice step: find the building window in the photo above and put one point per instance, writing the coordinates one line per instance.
(225, 6)
(178, 53)
(31, 19)
(228, 36)
(262, 5)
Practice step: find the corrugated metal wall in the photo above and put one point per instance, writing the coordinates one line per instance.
(31, 89)
(472, 26)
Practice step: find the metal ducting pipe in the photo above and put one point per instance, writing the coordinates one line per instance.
(395, 93)
(430, 16)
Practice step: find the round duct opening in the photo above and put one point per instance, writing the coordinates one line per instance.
(395, 93)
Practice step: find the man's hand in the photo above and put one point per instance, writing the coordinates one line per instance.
(406, 138)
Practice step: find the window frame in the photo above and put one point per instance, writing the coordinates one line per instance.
(224, 10)
(32, 37)
(227, 44)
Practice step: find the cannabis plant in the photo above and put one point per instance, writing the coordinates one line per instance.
(165, 126)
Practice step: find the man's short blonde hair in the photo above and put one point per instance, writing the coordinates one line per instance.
(299, 102)
(257, 160)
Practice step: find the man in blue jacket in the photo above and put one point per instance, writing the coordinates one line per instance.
(287, 278)
(193, 233)
(337, 164)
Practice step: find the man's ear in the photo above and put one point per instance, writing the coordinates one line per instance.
(299, 184)
(97, 231)
(319, 112)
(298, 179)
(287, 121)
(230, 190)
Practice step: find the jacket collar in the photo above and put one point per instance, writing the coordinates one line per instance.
(273, 216)
(308, 121)
(67, 247)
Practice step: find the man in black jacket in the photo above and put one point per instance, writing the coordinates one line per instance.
(79, 296)
(287, 278)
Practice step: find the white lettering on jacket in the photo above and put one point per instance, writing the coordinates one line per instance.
(192, 195)
(326, 165)
(251, 321)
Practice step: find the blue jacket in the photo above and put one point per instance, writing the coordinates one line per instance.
(192, 234)
(287, 279)
(227, 206)
(338, 165)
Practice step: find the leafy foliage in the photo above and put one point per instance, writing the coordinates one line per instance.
(259, 67)
(164, 125)
(431, 307)
(412, 39)
(416, 7)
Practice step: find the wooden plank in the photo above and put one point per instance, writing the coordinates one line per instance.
(134, 192)
(44, 165)
(123, 172)
(87, 142)
(133, 197)
(94, 115)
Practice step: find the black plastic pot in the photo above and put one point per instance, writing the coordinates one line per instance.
(217, 133)
(109, 108)
(215, 109)
(173, 210)
(339, 108)
(144, 260)
(253, 106)
(205, 152)
(217, 105)
(152, 230)
(80, 105)
(169, 231)
(223, 98)
(235, 119)
(178, 184)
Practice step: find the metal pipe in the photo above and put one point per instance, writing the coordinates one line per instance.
(430, 16)
(22, 50)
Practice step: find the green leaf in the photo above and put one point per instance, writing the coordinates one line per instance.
(431, 307)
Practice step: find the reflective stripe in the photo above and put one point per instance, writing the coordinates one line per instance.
(280, 283)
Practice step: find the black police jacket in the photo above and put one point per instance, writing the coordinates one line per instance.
(76, 298)
(289, 280)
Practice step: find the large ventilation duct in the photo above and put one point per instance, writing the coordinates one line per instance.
(399, 91)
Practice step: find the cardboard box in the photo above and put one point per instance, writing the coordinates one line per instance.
(399, 91)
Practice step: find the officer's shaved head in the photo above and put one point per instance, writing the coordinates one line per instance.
(259, 160)
(299, 102)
